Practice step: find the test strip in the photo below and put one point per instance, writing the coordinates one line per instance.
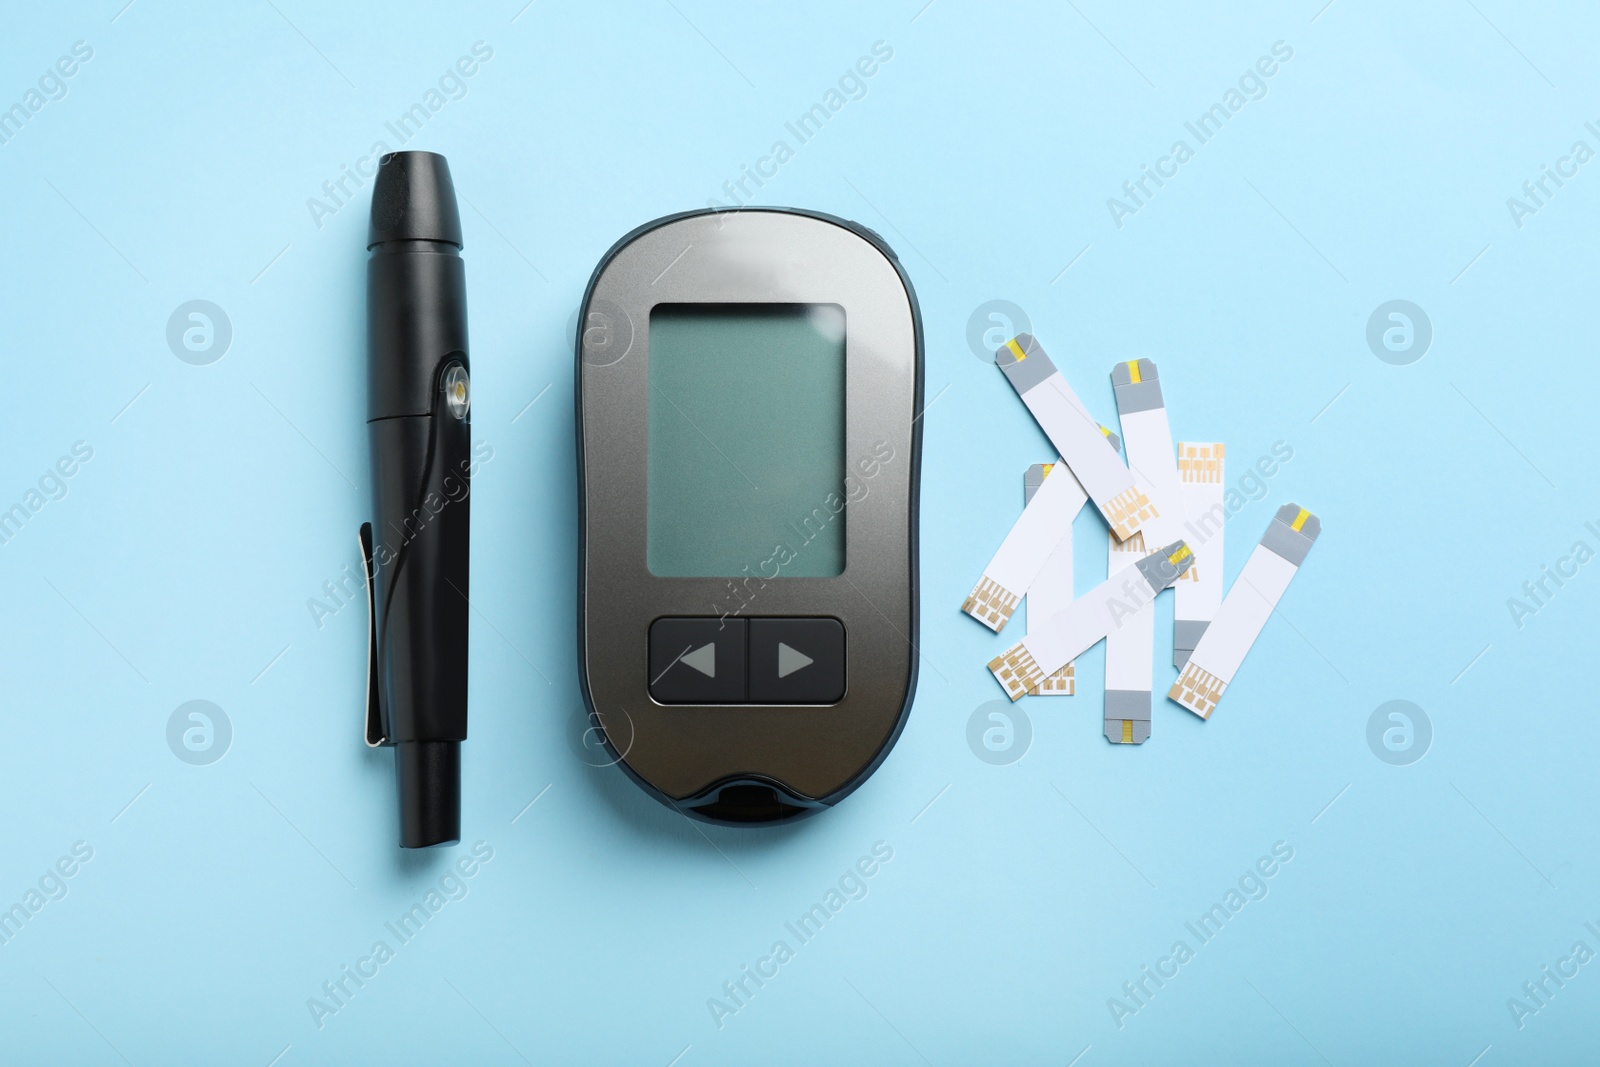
(1046, 516)
(1051, 590)
(1053, 643)
(1075, 434)
(1130, 649)
(1256, 592)
(1147, 443)
(1196, 597)
(1130, 654)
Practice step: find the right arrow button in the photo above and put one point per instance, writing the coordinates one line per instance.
(796, 661)
(791, 660)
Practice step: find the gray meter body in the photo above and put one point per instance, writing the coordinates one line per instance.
(749, 390)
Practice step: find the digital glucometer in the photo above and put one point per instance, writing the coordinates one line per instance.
(749, 390)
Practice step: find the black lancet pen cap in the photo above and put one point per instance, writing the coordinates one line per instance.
(414, 200)
(416, 546)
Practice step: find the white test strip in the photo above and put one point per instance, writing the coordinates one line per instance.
(1130, 649)
(1053, 643)
(1147, 443)
(1256, 592)
(1130, 655)
(1075, 434)
(1051, 590)
(1198, 595)
(1046, 516)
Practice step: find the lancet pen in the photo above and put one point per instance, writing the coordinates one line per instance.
(416, 548)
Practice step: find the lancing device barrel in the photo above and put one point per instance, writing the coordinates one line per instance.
(418, 401)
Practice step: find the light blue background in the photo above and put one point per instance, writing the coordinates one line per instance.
(1019, 898)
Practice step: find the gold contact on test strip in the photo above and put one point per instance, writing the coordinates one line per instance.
(1200, 463)
(1133, 373)
(1016, 349)
(1064, 682)
(1016, 671)
(1127, 724)
(1133, 546)
(1198, 690)
(1129, 510)
(1300, 520)
(1179, 556)
(991, 604)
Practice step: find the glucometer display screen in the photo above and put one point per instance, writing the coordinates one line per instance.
(746, 441)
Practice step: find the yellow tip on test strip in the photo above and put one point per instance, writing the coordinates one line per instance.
(1083, 447)
(1240, 619)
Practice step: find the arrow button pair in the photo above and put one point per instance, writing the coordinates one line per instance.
(704, 661)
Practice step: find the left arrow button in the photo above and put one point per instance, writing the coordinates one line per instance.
(703, 659)
(697, 661)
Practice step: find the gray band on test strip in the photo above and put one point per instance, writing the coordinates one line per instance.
(1024, 374)
(1031, 482)
(1131, 706)
(1141, 395)
(1157, 569)
(1128, 704)
(1281, 536)
(1186, 634)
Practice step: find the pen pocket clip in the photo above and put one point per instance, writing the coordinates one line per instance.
(376, 729)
